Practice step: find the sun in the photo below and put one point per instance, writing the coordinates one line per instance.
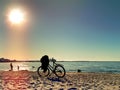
(16, 16)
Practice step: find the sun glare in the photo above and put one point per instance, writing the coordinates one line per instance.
(16, 16)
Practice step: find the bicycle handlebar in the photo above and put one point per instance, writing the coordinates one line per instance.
(53, 60)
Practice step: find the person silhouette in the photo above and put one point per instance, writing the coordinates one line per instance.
(18, 68)
(45, 62)
(11, 67)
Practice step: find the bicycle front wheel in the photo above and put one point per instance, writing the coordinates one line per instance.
(59, 71)
(41, 73)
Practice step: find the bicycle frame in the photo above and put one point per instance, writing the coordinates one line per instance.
(52, 67)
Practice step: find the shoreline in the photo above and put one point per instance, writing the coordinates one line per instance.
(29, 80)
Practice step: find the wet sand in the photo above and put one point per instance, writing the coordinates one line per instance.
(28, 80)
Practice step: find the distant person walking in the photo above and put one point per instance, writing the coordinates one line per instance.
(45, 62)
(11, 67)
(18, 68)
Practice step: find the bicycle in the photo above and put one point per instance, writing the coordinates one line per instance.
(57, 69)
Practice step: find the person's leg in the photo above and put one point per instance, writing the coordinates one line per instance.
(12, 68)
(45, 69)
(45, 66)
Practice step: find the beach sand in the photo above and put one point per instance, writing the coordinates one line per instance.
(28, 80)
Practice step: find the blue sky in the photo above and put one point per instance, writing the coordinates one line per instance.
(65, 30)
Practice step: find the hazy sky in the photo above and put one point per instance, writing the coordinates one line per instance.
(63, 29)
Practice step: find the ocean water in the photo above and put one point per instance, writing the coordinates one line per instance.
(70, 66)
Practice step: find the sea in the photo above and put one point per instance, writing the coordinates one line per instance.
(70, 66)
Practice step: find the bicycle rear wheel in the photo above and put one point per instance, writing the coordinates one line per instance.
(59, 71)
(41, 73)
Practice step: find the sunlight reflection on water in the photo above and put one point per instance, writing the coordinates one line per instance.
(22, 66)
